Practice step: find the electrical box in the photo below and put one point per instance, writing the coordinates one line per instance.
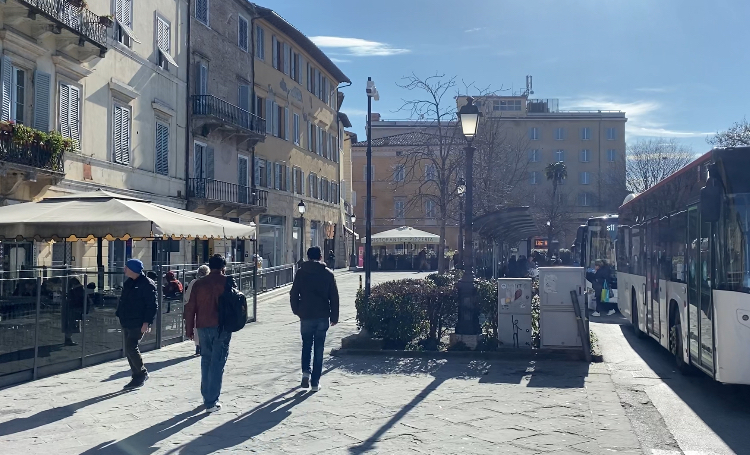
(514, 295)
(558, 325)
(514, 330)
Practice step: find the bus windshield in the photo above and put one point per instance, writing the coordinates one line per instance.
(601, 239)
(736, 231)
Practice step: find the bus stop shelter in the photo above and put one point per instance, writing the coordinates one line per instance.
(499, 230)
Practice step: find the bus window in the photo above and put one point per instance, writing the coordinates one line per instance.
(635, 265)
(623, 249)
(735, 230)
(677, 244)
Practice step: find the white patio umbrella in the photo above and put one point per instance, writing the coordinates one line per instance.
(404, 234)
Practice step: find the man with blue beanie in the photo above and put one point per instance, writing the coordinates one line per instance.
(136, 311)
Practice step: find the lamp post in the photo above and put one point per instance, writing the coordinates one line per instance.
(467, 328)
(301, 208)
(460, 190)
(372, 92)
(353, 256)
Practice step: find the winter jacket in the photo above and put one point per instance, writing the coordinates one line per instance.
(202, 310)
(138, 302)
(314, 293)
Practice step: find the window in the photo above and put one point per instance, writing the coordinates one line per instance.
(260, 43)
(534, 156)
(398, 173)
(611, 134)
(280, 55)
(201, 82)
(429, 209)
(280, 174)
(506, 105)
(124, 22)
(161, 166)
(559, 155)
(121, 135)
(201, 10)
(534, 178)
(364, 172)
(429, 172)
(261, 175)
(534, 133)
(203, 161)
(70, 98)
(312, 83)
(559, 134)
(164, 43)
(242, 38)
(259, 103)
(18, 95)
(611, 155)
(585, 156)
(301, 182)
(296, 129)
(399, 206)
(586, 134)
(584, 178)
(326, 187)
(584, 199)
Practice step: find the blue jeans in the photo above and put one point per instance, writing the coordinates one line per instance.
(313, 339)
(214, 353)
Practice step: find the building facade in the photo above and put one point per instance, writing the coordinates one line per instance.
(296, 91)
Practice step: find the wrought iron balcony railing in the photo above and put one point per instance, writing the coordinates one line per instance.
(34, 155)
(210, 105)
(77, 19)
(215, 190)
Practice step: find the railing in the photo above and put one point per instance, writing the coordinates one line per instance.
(274, 277)
(216, 190)
(34, 155)
(79, 20)
(228, 113)
(542, 106)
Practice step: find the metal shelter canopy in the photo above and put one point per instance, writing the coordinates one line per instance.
(100, 214)
(509, 225)
(404, 234)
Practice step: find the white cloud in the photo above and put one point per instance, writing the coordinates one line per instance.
(655, 89)
(472, 30)
(339, 60)
(357, 47)
(644, 117)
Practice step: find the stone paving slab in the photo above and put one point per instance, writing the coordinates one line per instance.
(374, 405)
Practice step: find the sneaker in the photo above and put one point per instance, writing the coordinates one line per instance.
(134, 384)
(305, 382)
(315, 388)
(611, 312)
(214, 408)
(595, 314)
(70, 342)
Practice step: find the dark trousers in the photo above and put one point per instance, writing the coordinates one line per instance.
(313, 333)
(132, 338)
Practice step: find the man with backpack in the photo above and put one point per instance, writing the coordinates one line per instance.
(315, 300)
(206, 311)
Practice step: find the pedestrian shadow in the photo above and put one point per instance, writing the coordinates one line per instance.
(52, 415)
(246, 426)
(143, 442)
(152, 366)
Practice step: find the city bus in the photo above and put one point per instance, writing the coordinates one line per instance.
(683, 264)
(595, 241)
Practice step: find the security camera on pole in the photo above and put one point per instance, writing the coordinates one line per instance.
(372, 92)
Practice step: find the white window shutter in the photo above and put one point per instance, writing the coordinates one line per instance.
(209, 162)
(162, 34)
(74, 118)
(275, 119)
(309, 136)
(274, 51)
(242, 33)
(41, 100)
(117, 136)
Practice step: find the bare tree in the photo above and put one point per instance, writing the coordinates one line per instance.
(738, 135)
(649, 161)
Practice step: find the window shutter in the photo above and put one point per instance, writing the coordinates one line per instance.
(201, 11)
(288, 183)
(117, 135)
(274, 51)
(41, 100)
(269, 116)
(285, 56)
(242, 31)
(209, 163)
(242, 171)
(275, 119)
(320, 189)
(121, 137)
(6, 80)
(74, 103)
(162, 149)
(202, 80)
(309, 136)
(256, 171)
(244, 97)
(269, 175)
(198, 161)
(162, 34)
(286, 123)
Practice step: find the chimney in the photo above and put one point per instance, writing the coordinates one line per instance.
(375, 117)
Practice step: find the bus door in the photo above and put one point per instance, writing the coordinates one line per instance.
(706, 337)
(694, 283)
(652, 278)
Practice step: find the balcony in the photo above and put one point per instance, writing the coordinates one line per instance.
(214, 114)
(26, 169)
(79, 31)
(211, 196)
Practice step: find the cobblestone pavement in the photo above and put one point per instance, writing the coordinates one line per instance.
(366, 405)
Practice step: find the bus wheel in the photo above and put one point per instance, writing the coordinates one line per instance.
(675, 345)
(634, 317)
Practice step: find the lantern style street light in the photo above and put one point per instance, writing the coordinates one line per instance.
(353, 256)
(301, 208)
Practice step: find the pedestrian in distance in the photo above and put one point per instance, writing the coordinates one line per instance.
(422, 260)
(172, 286)
(600, 281)
(200, 273)
(315, 300)
(136, 311)
(202, 312)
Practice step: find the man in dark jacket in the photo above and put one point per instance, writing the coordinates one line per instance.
(136, 311)
(315, 300)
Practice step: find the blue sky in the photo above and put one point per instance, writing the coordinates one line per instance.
(679, 68)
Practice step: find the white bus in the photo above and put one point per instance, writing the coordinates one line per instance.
(683, 264)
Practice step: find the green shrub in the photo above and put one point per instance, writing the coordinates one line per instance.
(395, 312)
(487, 300)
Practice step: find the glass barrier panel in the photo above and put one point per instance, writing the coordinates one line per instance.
(102, 331)
(17, 324)
(60, 319)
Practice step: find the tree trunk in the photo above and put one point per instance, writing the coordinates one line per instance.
(552, 213)
(441, 248)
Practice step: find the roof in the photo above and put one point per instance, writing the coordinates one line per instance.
(280, 23)
(413, 138)
(344, 119)
(510, 224)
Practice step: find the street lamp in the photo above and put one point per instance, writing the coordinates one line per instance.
(353, 256)
(460, 190)
(372, 92)
(467, 328)
(301, 208)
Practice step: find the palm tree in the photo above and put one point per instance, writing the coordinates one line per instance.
(556, 172)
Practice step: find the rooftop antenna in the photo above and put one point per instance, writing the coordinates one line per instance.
(529, 86)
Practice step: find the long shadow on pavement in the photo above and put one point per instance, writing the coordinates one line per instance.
(49, 416)
(151, 367)
(722, 407)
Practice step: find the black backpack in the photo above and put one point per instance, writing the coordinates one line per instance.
(232, 308)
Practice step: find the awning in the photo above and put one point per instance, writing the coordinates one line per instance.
(509, 225)
(99, 214)
(405, 234)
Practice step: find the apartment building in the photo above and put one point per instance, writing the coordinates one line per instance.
(296, 91)
(110, 78)
(590, 143)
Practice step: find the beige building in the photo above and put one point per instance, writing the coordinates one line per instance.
(296, 91)
(111, 77)
(590, 143)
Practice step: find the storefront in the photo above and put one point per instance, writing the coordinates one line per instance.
(272, 240)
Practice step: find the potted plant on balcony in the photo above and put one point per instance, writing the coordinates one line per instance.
(6, 131)
(23, 135)
(107, 20)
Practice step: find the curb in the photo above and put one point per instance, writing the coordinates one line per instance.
(502, 354)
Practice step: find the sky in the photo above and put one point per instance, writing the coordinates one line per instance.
(678, 68)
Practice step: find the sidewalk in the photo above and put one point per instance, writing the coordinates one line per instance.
(367, 405)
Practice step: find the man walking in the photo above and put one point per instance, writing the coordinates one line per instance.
(315, 300)
(202, 312)
(136, 311)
